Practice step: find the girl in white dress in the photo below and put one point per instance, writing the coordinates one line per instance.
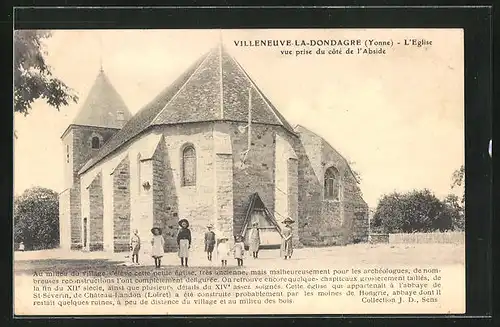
(223, 251)
(157, 244)
(239, 250)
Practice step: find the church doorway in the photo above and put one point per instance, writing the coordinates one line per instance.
(270, 237)
(269, 230)
(85, 232)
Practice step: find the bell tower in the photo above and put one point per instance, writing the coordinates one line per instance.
(102, 114)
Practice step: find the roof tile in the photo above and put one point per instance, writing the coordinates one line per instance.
(196, 96)
(102, 105)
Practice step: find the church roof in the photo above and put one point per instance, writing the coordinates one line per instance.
(102, 105)
(214, 88)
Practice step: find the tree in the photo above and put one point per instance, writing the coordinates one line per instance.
(33, 78)
(458, 180)
(36, 218)
(455, 211)
(389, 214)
(415, 211)
(354, 171)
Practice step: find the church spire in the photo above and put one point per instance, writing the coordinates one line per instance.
(103, 106)
(221, 77)
(101, 69)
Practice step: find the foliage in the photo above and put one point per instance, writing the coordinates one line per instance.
(458, 180)
(33, 78)
(36, 218)
(355, 172)
(415, 211)
(455, 211)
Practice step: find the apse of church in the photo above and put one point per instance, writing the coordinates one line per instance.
(202, 150)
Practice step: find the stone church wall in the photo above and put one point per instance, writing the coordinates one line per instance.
(121, 206)
(195, 203)
(258, 174)
(65, 220)
(292, 197)
(223, 180)
(95, 220)
(223, 188)
(140, 203)
(165, 201)
(327, 222)
(77, 151)
(286, 182)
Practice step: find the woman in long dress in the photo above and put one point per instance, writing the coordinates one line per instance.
(157, 246)
(286, 242)
(184, 241)
(254, 240)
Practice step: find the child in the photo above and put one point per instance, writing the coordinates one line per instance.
(184, 241)
(254, 240)
(209, 242)
(157, 246)
(239, 250)
(21, 246)
(135, 246)
(223, 251)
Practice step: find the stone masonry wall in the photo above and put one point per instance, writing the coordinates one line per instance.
(310, 196)
(223, 181)
(81, 151)
(356, 210)
(143, 202)
(194, 202)
(224, 197)
(293, 210)
(282, 155)
(64, 220)
(258, 174)
(75, 217)
(96, 214)
(327, 222)
(121, 206)
(164, 198)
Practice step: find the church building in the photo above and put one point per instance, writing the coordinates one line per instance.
(210, 148)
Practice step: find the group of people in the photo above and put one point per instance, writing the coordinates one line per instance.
(212, 243)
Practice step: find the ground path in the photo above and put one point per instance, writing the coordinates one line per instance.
(351, 255)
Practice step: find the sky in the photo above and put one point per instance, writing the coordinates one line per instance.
(399, 117)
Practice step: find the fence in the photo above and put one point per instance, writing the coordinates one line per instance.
(446, 237)
(378, 238)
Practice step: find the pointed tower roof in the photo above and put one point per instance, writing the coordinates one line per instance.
(214, 88)
(102, 106)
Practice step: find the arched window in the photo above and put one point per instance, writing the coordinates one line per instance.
(188, 166)
(332, 184)
(96, 142)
